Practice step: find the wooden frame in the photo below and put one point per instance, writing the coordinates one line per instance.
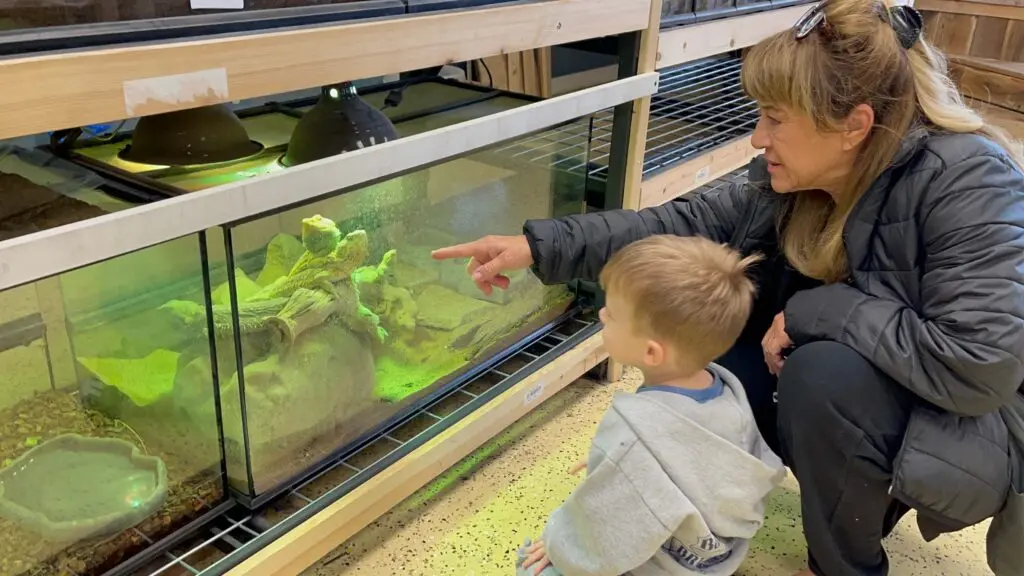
(995, 82)
(42, 254)
(672, 183)
(304, 545)
(527, 72)
(696, 41)
(57, 91)
(638, 136)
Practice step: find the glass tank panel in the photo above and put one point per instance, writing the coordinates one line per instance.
(425, 106)
(46, 13)
(39, 191)
(345, 321)
(100, 452)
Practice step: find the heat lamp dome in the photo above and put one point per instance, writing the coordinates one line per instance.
(74, 487)
(340, 122)
(205, 135)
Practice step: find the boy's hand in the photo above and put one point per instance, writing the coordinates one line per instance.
(537, 554)
(577, 467)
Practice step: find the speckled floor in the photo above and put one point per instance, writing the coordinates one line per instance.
(469, 522)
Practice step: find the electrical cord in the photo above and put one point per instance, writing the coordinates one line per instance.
(395, 95)
(490, 79)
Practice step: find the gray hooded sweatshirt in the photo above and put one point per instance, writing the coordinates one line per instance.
(676, 485)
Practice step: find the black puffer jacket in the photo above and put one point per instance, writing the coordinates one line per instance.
(935, 300)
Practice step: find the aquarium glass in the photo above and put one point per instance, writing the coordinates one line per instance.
(39, 191)
(46, 13)
(108, 436)
(344, 320)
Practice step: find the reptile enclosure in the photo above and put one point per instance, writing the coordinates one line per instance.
(296, 393)
(263, 337)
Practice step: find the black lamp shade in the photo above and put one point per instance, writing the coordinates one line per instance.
(205, 135)
(340, 122)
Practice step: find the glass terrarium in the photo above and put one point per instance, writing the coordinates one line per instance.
(336, 321)
(39, 191)
(101, 452)
(39, 25)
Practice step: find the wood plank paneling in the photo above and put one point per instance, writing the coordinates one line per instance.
(983, 30)
(1013, 42)
(972, 8)
(1012, 122)
(990, 82)
(527, 72)
(989, 36)
(953, 33)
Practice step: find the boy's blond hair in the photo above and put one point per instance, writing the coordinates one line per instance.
(687, 292)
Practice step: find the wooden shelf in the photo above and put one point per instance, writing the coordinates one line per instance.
(303, 546)
(57, 91)
(695, 41)
(1012, 122)
(686, 176)
(993, 81)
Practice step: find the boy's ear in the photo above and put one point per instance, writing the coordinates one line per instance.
(654, 355)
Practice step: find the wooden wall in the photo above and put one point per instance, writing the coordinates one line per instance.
(527, 72)
(990, 29)
(992, 81)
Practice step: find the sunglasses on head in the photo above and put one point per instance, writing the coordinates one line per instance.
(906, 21)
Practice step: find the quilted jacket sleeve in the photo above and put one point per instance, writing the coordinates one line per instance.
(964, 351)
(577, 247)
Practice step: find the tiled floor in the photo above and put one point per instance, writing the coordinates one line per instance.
(469, 522)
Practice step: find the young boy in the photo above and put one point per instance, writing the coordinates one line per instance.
(678, 473)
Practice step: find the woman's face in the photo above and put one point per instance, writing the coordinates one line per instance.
(800, 157)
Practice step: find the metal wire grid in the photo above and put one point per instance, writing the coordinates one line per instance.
(699, 106)
(233, 535)
(571, 147)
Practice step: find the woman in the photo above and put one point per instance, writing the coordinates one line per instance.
(891, 307)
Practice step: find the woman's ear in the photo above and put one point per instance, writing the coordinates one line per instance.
(858, 126)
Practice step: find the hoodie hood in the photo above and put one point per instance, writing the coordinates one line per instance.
(705, 466)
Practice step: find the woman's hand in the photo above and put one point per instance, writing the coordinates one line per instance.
(489, 257)
(537, 555)
(776, 341)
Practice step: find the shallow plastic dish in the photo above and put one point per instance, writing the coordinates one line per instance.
(74, 487)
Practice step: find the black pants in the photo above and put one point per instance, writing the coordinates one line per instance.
(838, 425)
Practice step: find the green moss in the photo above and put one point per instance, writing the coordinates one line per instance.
(397, 380)
(434, 354)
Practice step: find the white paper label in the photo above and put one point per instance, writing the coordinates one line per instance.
(217, 4)
(702, 175)
(175, 89)
(533, 393)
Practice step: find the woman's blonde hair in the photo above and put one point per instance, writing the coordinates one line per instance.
(855, 58)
